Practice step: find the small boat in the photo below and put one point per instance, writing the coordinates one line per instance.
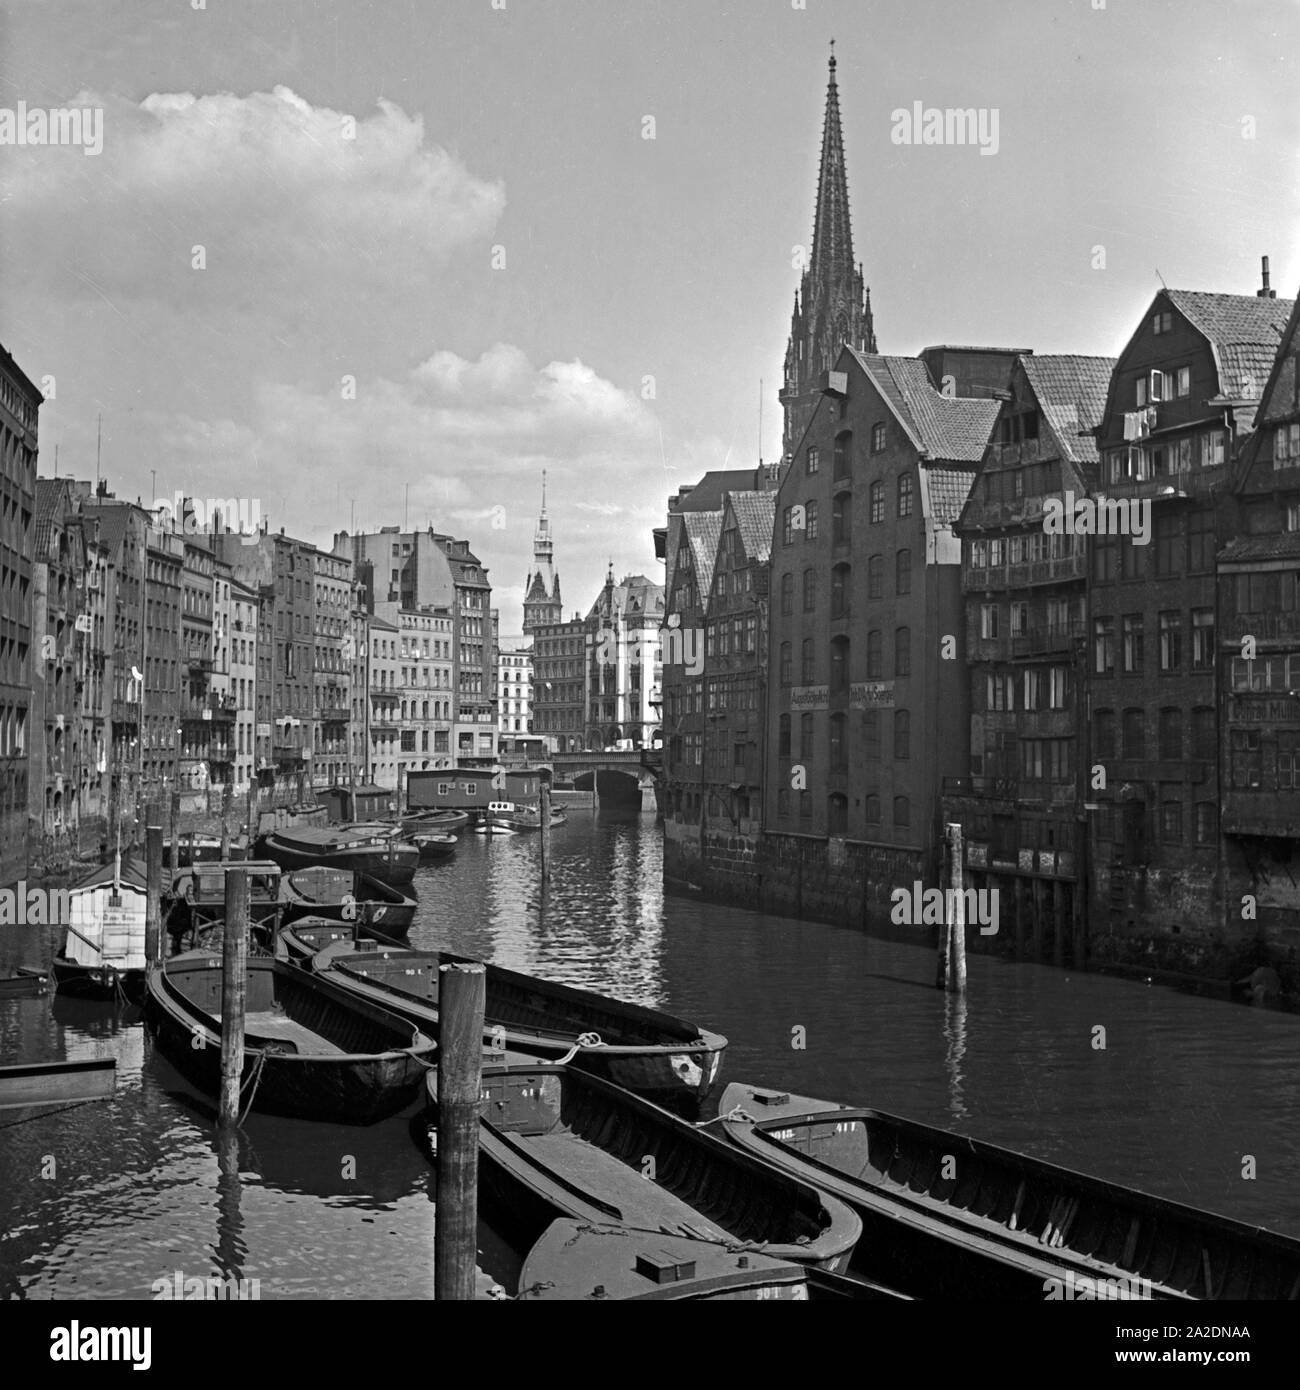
(305, 937)
(576, 1261)
(203, 849)
(448, 822)
(102, 956)
(557, 1142)
(198, 895)
(672, 1061)
(56, 1083)
(504, 818)
(433, 844)
(347, 895)
(25, 979)
(1003, 1225)
(374, 849)
(311, 1049)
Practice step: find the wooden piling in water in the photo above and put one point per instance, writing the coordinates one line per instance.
(462, 993)
(153, 860)
(545, 812)
(956, 982)
(174, 835)
(225, 822)
(234, 994)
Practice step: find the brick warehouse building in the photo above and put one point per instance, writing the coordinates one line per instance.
(1183, 394)
(866, 682)
(1024, 642)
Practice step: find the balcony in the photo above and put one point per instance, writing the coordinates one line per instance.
(1192, 482)
(125, 712)
(198, 664)
(385, 692)
(994, 578)
(998, 788)
(288, 752)
(1267, 627)
(1048, 641)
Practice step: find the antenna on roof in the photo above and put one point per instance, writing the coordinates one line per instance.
(1161, 278)
(760, 422)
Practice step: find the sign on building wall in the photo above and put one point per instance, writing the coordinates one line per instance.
(871, 695)
(809, 697)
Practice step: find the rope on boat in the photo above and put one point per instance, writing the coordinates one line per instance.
(254, 1077)
(737, 1112)
(585, 1041)
(52, 1110)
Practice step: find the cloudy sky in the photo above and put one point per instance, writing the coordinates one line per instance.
(439, 254)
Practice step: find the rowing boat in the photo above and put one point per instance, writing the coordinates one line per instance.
(298, 941)
(346, 895)
(25, 979)
(311, 1049)
(30, 1084)
(555, 1142)
(673, 1062)
(951, 1217)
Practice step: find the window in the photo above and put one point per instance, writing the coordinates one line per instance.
(812, 459)
(807, 661)
(1133, 643)
(902, 734)
(999, 693)
(871, 733)
(1019, 618)
(1058, 687)
(806, 750)
(1033, 688)
(1171, 735)
(875, 576)
(1162, 322)
(836, 744)
(1103, 734)
(1103, 646)
(1171, 822)
(1132, 560)
(873, 810)
(1202, 639)
(873, 655)
(877, 496)
(878, 437)
(1201, 543)
(1168, 543)
(904, 494)
(787, 594)
(1212, 449)
(842, 519)
(1288, 760)
(902, 811)
(1135, 739)
(1207, 817)
(787, 526)
(1171, 641)
(988, 622)
(783, 801)
(785, 664)
(1244, 755)
(1184, 382)
(805, 805)
(1105, 559)
(903, 651)
(903, 572)
(810, 521)
(837, 814)
(841, 587)
(810, 591)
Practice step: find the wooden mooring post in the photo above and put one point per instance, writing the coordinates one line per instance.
(225, 821)
(252, 812)
(153, 860)
(956, 974)
(234, 994)
(462, 994)
(174, 831)
(545, 811)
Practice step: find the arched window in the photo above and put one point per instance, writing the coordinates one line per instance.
(1135, 733)
(873, 810)
(785, 663)
(837, 814)
(877, 502)
(876, 576)
(842, 519)
(841, 587)
(807, 662)
(902, 651)
(809, 591)
(902, 811)
(839, 666)
(905, 494)
(787, 594)
(810, 520)
(903, 572)
(873, 655)
(902, 734)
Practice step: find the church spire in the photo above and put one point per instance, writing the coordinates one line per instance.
(542, 587)
(832, 305)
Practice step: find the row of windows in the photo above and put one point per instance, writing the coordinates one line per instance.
(837, 737)
(1169, 639)
(841, 584)
(837, 809)
(839, 654)
(1132, 727)
(1028, 548)
(1174, 549)
(803, 517)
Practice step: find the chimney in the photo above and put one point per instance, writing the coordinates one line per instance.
(1265, 292)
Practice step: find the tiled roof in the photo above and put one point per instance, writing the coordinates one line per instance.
(1244, 330)
(955, 428)
(1280, 394)
(1283, 546)
(755, 514)
(114, 518)
(1071, 392)
(48, 493)
(703, 530)
(948, 488)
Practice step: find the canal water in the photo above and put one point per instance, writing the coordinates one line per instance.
(105, 1199)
